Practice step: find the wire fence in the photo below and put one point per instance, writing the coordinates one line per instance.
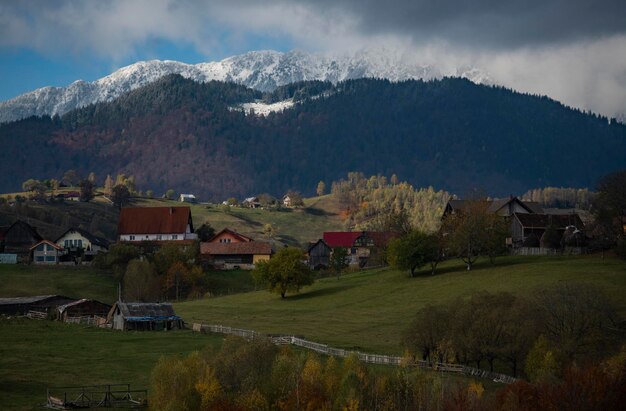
(364, 357)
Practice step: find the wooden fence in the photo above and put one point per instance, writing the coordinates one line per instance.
(364, 357)
(548, 251)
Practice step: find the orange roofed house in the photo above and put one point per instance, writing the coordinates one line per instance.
(155, 224)
(228, 249)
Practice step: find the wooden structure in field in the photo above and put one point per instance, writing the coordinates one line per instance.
(144, 317)
(95, 396)
(40, 303)
(82, 311)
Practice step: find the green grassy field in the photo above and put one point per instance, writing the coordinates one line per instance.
(369, 310)
(38, 354)
(77, 282)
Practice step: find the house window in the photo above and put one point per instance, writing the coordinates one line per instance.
(41, 247)
(66, 243)
(39, 258)
(174, 236)
(50, 258)
(80, 243)
(132, 238)
(159, 237)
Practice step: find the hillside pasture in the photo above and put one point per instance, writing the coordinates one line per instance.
(369, 310)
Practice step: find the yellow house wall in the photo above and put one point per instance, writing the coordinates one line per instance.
(257, 258)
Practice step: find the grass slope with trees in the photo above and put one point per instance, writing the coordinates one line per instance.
(370, 310)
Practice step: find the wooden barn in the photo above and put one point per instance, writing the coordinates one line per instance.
(144, 317)
(319, 255)
(40, 303)
(18, 238)
(77, 311)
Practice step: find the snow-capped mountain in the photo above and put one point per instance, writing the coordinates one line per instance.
(262, 70)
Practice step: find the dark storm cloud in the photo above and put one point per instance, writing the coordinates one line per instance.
(489, 23)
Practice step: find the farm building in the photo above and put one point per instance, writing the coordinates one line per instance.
(505, 207)
(229, 255)
(18, 238)
(251, 202)
(78, 310)
(319, 255)
(144, 317)
(39, 303)
(363, 246)
(525, 225)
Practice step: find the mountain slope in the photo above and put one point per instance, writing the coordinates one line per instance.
(450, 133)
(260, 70)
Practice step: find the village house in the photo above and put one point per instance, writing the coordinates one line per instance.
(229, 236)
(287, 200)
(144, 317)
(46, 252)
(155, 224)
(75, 239)
(319, 255)
(363, 246)
(228, 249)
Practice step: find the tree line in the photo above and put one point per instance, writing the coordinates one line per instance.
(257, 375)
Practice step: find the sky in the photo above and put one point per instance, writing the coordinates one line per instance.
(571, 50)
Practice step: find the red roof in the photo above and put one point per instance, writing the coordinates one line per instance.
(154, 220)
(240, 237)
(50, 243)
(341, 238)
(247, 248)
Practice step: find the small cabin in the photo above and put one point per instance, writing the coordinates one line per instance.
(46, 252)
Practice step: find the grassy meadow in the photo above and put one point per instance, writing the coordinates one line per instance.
(71, 281)
(36, 354)
(369, 310)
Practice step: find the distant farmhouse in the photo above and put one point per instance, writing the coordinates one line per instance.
(364, 247)
(251, 202)
(187, 198)
(528, 219)
(229, 249)
(155, 224)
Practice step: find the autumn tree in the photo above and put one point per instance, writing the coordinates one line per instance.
(170, 194)
(70, 178)
(108, 185)
(141, 282)
(92, 178)
(469, 231)
(285, 272)
(321, 188)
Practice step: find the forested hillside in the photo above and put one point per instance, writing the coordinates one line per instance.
(451, 134)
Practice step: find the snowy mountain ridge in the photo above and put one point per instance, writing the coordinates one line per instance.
(261, 70)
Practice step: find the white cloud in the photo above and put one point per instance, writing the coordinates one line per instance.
(583, 69)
